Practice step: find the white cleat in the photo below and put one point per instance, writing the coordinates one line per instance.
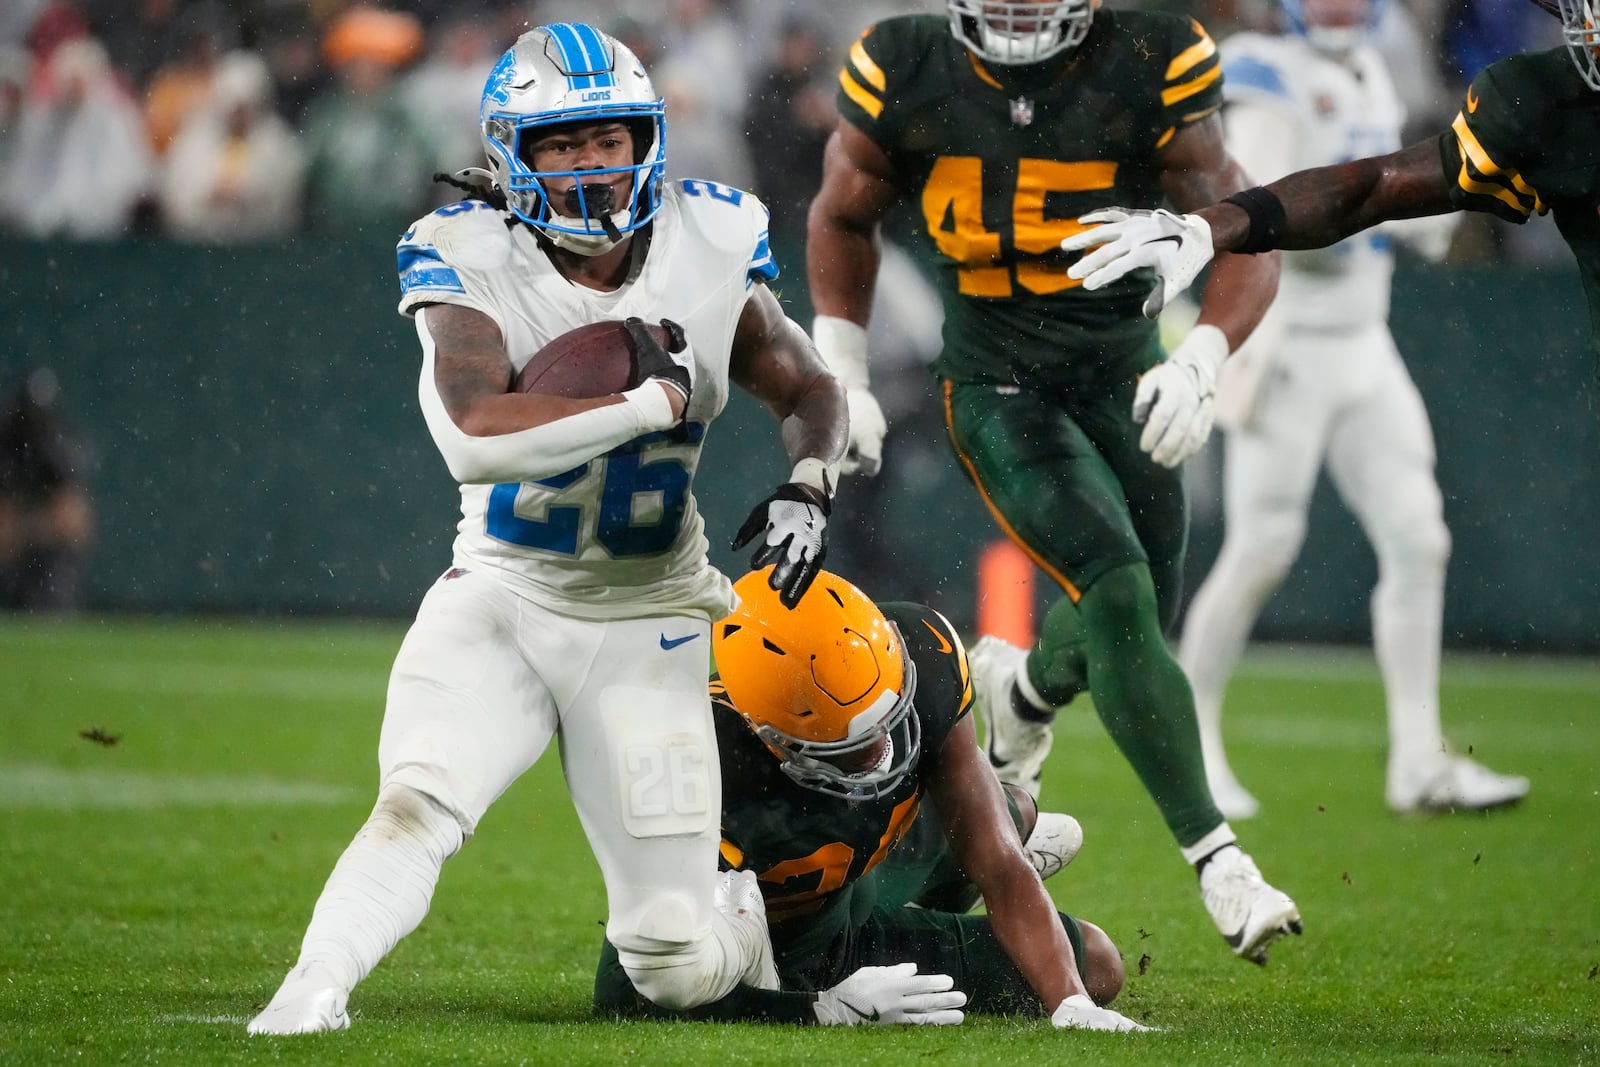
(1231, 798)
(1017, 748)
(1056, 838)
(738, 898)
(1250, 914)
(301, 1008)
(1452, 783)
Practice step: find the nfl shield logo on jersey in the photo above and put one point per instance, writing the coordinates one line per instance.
(1022, 111)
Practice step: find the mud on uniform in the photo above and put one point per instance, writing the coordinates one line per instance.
(1528, 140)
(837, 873)
(1039, 374)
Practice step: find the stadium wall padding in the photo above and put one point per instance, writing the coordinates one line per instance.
(260, 449)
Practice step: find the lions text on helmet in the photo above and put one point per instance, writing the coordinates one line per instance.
(575, 136)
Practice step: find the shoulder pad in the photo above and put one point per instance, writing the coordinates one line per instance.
(468, 234)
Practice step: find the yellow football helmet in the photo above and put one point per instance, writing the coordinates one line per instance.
(826, 684)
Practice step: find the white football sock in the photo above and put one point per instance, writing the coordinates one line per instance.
(379, 890)
(1407, 613)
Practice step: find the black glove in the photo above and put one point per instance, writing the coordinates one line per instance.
(795, 520)
(650, 360)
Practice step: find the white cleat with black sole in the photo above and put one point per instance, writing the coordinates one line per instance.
(1249, 913)
(1017, 747)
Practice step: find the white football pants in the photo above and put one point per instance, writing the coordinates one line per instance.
(483, 682)
(1346, 400)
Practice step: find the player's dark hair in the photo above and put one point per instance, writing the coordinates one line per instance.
(486, 193)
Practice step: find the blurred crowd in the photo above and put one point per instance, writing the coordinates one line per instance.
(223, 122)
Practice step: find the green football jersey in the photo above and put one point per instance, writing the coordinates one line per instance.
(808, 849)
(1003, 160)
(1528, 140)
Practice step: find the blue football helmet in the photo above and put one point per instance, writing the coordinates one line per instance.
(1332, 40)
(558, 75)
(1018, 32)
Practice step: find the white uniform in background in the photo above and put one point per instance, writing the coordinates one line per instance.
(1321, 383)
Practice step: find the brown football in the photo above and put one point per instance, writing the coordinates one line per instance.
(593, 360)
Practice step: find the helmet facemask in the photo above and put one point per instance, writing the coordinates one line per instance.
(1581, 31)
(1015, 34)
(565, 75)
(889, 728)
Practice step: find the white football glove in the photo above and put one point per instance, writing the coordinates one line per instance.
(842, 345)
(889, 996)
(1177, 246)
(1176, 399)
(1078, 1012)
(794, 520)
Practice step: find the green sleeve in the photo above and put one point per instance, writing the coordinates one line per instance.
(1191, 87)
(614, 995)
(1479, 152)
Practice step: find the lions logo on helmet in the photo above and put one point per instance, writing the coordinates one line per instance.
(1018, 32)
(558, 75)
(827, 685)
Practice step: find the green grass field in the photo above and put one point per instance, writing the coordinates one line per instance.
(153, 891)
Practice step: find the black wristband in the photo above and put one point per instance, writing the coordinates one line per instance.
(1268, 220)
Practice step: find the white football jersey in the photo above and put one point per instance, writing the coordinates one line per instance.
(1341, 110)
(618, 536)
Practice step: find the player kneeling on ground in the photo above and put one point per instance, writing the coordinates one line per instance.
(835, 722)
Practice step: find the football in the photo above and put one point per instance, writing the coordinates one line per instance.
(590, 361)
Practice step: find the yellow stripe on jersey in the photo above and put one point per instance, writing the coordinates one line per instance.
(1162, 142)
(1198, 52)
(984, 75)
(867, 68)
(1506, 186)
(731, 852)
(857, 92)
(1172, 95)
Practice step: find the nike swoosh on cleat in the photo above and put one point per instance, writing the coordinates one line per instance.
(1234, 940)
(668, 644)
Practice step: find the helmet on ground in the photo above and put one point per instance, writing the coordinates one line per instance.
(1014, 32)
(561, 75)
(827, 684)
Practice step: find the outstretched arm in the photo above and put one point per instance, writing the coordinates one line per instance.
(1308, 209)
(1324, 205)
(984, 840)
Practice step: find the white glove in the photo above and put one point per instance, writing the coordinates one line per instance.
(794, 520)
(1177, 246)
(842, 344)
(1078, 1012)
(1175, 399)
(888, 996)
(864, 454)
